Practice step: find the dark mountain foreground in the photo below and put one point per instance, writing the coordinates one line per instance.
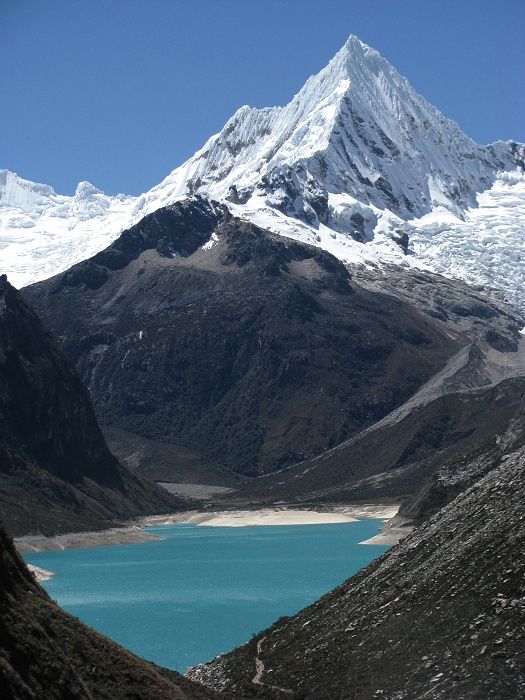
(251, 358)
(46, 654)
(441, 615)
(218, 353)
(56, 472)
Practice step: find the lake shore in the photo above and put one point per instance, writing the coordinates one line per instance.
(132, 534)
(135, 533)
(39, 573)
(276, 516)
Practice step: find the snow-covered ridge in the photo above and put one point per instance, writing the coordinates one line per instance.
(42, 232)
(356, 128)
(353, 163)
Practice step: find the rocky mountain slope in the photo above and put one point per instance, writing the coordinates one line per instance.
(248, 354)
(47, 653)
(202, 331)
(438, 616)
(56, 472)
(468, 403)
(356, 130)
(357, 163)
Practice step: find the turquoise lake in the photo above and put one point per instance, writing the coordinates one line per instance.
(202, 591)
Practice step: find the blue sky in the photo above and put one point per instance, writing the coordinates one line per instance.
(120, 92)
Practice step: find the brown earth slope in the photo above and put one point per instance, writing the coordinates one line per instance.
(217, 352)
(249, 349)
(468, 402)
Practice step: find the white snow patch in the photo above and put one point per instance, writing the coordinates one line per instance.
(209, 244)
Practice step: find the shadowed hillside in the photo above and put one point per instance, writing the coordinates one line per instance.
(216, 352)
(56, 472)
(438, 616)
(247, 349)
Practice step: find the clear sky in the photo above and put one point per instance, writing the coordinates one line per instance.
(121, 92)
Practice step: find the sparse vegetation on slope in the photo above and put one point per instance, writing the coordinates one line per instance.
(45, 653)
(254, 352)
(217, 352)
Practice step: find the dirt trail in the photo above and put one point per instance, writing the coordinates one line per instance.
(259, 665)
(259, 670)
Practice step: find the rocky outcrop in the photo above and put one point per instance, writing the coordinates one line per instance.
(253, 351)
(468, 404)
(56, 472)
(251, 354)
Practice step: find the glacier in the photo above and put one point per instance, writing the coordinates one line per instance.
(357, 163)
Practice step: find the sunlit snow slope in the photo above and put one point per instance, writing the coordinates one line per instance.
(355, 163)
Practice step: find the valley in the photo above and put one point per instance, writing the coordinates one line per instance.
(318, 317)
(268, 365)
(199, 590)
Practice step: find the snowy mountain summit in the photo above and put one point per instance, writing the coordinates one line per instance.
(357, 128)
(356, 163)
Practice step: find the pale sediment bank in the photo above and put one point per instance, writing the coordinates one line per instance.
(39, 573)
(84, 540)
(276, 516)
(390, 536)
(135, 533)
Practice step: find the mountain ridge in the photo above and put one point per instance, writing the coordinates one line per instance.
(248, 354)
(244, 349)
(375, 115)
(357, 163)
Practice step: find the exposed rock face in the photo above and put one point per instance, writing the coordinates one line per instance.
(438, 616)
(56, 472)
(460, 471)
(357, 129)
(392, 458)
(253, 351)
(46, 653)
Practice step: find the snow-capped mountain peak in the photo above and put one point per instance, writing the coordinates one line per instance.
(357, 163)
(356, 128)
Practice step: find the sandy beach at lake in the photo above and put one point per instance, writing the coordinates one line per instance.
(276, 516)
(84, 540)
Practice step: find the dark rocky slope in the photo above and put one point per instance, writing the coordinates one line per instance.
(441, 615)
(251, 353)
(216, 352)
(56, 472)
(46, 653)
(464, 469)
(468, 403)
(392, 458)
